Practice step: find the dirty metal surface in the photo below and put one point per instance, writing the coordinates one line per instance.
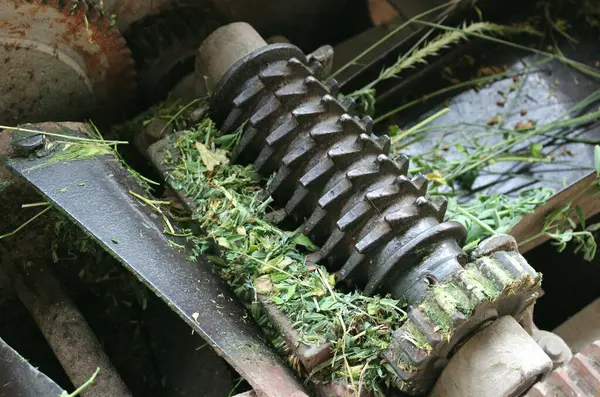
(94, 194)
(61, 61)
(544, 94)
(18, 378)
(578, 378)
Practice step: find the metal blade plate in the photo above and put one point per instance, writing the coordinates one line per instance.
(18, 378)
(95, 195)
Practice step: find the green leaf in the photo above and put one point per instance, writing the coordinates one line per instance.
(217, 260)
(593, 228)
(222, 241)
(597, 159)
(209, 158)
(304, 241)
(536, 150)
(580, 216)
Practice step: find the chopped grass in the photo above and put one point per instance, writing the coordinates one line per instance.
(256, 257)
(75, 152)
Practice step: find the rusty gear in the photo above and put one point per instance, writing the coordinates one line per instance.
(165, 46)
(61, 61)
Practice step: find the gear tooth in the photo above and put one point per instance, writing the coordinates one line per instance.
(375, 237)
(472, 289)
(363, 174)
(400, 218)
(420, 183)
(350, 268)
(324, 168)
(279, 180)
(298, 154)
(491, 271)
(297, 198)
(332, 105)
(349, 105)
(283, 132)
(249, 94)
(275, 74)
(426, 207)
(371, 143)
(427, 327)
(232, 121)
(317, 68)
(298, 67)
(332, 243)
(441, 205)
(388, 165)
(245, 141)
(308, 111)
(332, 86)
(315, 87)
(324, 131)
(291, 91)
(315, 220)
(268, 109)
(381, 197)
(344, 155)
(262, 161)
(385, 143)
(350, 125)
(405, 343)
(509, 264)
(403, 163)
(515, 264)
(367, 123)
(351, 218)
(337, 193)
(409, 186)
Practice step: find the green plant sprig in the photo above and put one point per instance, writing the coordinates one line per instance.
(567, 223)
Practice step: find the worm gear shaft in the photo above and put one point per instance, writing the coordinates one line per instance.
(377, 228)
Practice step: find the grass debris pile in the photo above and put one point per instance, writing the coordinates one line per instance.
(256, 257)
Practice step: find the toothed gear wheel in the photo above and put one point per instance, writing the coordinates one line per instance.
(376, 226)
(485, 290)
(165, 46)
(61, 60)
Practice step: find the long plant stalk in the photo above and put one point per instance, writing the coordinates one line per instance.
(434, 47)
(392, 33)
(502, 147)
(466, 84)
(577, 65)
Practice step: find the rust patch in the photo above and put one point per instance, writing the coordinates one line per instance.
(101, 51)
